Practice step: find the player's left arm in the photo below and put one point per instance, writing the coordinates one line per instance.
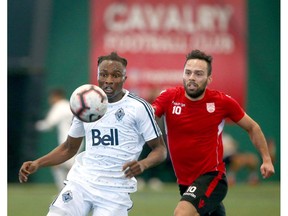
(258, 139)
(157, 155)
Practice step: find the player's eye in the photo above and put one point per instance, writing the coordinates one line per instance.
(199, 73)
(188, 72)
(116, 75)
(103, 75)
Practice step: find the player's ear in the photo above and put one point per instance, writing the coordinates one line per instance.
(209, 79)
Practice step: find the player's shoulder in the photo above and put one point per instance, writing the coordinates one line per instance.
(217, 94)
(137, 101)
(177, 90)
(220, 98)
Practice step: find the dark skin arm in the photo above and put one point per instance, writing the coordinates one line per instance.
(60, 154)
(155, 157)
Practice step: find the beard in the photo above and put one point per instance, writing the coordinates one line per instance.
(195, 93)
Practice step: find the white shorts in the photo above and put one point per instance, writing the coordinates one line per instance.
(76, 200)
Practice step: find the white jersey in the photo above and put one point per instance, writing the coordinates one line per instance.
(117, 138)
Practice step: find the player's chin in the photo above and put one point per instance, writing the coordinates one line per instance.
(190, 92)
(110, 95)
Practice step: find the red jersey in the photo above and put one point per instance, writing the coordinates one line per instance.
(194, 130)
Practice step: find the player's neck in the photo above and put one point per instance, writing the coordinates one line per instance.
(116, 97)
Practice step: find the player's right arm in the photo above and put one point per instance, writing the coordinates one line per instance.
(60, 154)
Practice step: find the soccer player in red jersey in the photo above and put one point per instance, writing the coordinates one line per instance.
(195, 117)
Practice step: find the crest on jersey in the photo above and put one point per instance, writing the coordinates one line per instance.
(119, 114)
(210, 107)
(67, 196)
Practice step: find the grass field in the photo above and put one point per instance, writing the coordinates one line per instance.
(260, 200)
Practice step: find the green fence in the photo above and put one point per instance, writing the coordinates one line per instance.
(67, 65)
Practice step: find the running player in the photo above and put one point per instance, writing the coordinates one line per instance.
(195, 117)
(102, 176)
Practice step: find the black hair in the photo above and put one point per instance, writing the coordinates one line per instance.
(114, 57)
(59, 92)
(197, 54)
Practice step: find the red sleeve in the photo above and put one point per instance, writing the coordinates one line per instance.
(161, 102)
(234, 110)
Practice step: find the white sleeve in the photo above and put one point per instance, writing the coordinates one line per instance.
(146, 123)
(77, 128)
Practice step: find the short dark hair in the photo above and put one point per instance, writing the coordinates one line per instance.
(197, 54)
(114, 57)
(58, 92)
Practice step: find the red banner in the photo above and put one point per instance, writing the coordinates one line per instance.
(155, 37)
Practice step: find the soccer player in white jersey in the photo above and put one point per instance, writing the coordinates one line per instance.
(102, 176)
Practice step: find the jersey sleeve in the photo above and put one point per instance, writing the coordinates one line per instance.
(146, 123)
(234, 110)
(161, 103)
(76, 129)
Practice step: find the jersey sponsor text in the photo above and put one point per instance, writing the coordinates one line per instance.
(107, 139)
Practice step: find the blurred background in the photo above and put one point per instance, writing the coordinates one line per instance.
(55, 44)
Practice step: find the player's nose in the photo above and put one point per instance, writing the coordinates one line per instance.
(109, 79)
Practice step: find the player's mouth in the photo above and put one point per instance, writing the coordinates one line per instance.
(108, 90)
(192, 86)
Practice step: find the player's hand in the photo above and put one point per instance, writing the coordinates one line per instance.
(133, 168)
(26, 169)
(267, 170)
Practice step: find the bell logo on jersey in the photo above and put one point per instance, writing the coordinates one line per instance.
(106, 139)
